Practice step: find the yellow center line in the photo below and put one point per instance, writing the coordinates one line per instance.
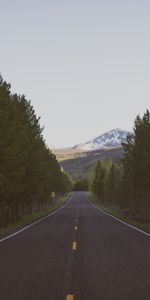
(74, 246)
(69, 297)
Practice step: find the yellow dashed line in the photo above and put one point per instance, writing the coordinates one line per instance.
(69, 297)
(74, 246)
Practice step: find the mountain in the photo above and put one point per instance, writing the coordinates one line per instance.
(110, 139)
(81, 159)
(80, 163)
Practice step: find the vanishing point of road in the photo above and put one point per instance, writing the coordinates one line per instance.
(78, 253)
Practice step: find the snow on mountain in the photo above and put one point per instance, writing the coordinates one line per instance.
(110, 139)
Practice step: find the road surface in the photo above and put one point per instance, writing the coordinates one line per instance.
(78, 253)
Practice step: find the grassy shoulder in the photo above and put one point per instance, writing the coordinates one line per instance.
(28, 219)
(116, 211)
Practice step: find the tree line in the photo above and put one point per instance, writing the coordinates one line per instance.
(81, 185)
(29, 171)
(126, 183)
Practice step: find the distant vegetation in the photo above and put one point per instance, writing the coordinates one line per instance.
(127, 182)
(29, 172)
(81, 185)
(79, 163)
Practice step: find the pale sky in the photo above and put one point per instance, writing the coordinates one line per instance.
(85, 65)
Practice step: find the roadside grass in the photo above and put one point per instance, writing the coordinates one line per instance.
(28, 219)
(116, 211)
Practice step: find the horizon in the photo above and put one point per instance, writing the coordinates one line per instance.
(85, 142)
(84, 66)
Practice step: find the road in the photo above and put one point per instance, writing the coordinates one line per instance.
(79, 253)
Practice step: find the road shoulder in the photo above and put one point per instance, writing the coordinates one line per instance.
(31, 220)
(144, 229)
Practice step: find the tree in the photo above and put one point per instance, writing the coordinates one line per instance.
(137, 168)
(98, 182)
(81, 185)
(29, 172)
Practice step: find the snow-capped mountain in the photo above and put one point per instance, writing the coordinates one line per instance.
(110, 139)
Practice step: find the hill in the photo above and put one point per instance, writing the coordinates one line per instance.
(112, 138)
(79, 163)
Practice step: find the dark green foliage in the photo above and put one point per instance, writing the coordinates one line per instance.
(127, 183)
(98, 182)
(81, 185)
(29, 172)
(107, 181)
(137, 168)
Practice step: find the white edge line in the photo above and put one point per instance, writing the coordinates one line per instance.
(38, 221)
(127, 224)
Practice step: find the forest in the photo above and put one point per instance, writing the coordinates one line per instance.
(29, 171)
(126, 183)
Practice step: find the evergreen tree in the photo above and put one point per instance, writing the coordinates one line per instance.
(137, 168)
(81, 185)
(29, 172)
(98, 182)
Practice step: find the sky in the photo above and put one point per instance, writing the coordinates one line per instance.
(85, 65)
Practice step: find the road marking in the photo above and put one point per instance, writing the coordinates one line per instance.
(36, 222)
(74, 246)
(76, 220)
(127, 224)
(76, 227)
(69, 297)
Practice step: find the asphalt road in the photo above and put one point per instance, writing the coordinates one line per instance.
(78, 253)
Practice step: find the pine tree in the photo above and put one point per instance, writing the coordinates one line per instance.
(98, 182)
(137, 168)
(29, 172)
